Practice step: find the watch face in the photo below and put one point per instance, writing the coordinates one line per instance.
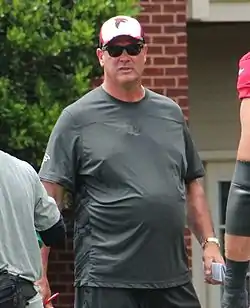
(211, 240)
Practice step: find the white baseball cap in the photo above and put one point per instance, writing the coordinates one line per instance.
(120, 25)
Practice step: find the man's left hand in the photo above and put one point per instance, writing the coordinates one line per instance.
(44, 289)
(211, 253)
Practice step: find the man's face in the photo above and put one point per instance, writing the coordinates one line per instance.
(123, 59)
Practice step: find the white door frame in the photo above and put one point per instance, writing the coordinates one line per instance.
(197, 271)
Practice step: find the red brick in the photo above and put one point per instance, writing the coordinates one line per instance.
(151, 8)
(65, 256)
(180, 1)
(183, 102)
(168, 29)
(65, 299)
(147, 82)
(173, 8)
(165, 82)
(54, 254)
(189, 260)
(149, 61)
(176, 71)
(60, 287)
(152, 29)
(164, 39)
(155, 50)
(163, 1)
(66, 276)
(154, 71)
(163, 19)
(144, 18)
(53, 276)
(70, 266)
(164, 60)
(177, 92)
(181, 39)
(176, 50)
(182, 60)
(187, 232)
(159, 90)
(148, 38)
(182, 81)
(56, 267)
(188, 242)
(180, 18)
(96, 82)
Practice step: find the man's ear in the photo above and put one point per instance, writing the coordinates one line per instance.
(99, 54)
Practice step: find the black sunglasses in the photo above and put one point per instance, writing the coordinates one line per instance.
(116, 50)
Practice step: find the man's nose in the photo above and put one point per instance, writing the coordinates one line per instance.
(124, 56)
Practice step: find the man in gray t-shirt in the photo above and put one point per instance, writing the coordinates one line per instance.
(126, 155)
(25, 209)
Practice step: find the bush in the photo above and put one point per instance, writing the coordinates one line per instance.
(48, 60)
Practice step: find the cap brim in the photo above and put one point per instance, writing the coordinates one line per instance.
(135, 38)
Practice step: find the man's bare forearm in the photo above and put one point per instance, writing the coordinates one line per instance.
(45, 258)
(55, 191)
(198, 214)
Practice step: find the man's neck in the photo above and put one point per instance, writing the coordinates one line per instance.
(129, 94)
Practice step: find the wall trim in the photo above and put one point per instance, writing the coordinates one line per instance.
(217, 155)
(218, 11)
(229, 12)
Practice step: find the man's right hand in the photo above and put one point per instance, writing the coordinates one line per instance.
(45, 291)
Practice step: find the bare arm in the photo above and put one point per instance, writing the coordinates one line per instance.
(55, 191)
(241, 251)
(45, 257)
(198, 214)
(200, 223)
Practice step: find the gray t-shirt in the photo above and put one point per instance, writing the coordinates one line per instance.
(24, 208)
(126, 165)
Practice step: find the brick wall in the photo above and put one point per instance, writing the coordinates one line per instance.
(164, 22)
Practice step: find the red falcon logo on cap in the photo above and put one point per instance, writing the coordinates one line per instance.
(119, 20)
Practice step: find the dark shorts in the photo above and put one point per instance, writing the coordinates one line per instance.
(176, 297)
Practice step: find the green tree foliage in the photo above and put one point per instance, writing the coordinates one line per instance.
(47, 60)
